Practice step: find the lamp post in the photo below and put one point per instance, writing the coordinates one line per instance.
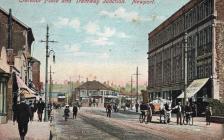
(185, 67)
(48, 52)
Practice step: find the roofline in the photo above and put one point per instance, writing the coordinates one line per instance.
(19, 22)
(34, 59)
(107, 88)
(169, 19)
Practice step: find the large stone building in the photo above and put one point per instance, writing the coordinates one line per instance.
(194, 33)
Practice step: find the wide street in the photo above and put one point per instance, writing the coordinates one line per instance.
(92, 123)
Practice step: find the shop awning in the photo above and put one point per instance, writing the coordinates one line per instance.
(22, 85)
(194, 87)
(27, 94)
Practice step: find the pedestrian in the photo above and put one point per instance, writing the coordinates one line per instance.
(35, 105)
(40, 108)
(188, 113)
(79, 105)
(136, 106)
(31, 110)
(22, 116)
(14, 113)
(75, 111)
(149, 114)
(109, 108)
(208, 114)
(179, 114)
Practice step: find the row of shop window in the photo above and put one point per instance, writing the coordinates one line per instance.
(195, 15)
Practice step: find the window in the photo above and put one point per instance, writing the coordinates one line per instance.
(2, 97)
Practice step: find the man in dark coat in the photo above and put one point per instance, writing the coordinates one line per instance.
(109, 109)
(179, 113)
(208, 114)
(40, 108)
(75, 111)
(22, 116)
(136, 106)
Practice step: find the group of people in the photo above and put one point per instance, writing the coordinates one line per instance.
(67, 111)
(146, 111)
(183, 114)
(24, 112)
(110, 107)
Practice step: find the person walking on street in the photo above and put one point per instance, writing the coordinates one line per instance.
(149, 113)
(31, 110)
(136, 106)
(179, 115)
(188, 113)
(75, 111)
(109, 109)
(208, 114)
(66, 112)
(22, 116)
(40, 108)
(14, 113)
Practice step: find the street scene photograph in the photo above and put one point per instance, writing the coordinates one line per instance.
(111, 69)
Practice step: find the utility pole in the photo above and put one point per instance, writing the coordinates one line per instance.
(137, 74)
(185, 68)
(131, 91)
(51, 85)
(46, 72)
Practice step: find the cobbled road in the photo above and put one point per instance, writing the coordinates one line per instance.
(92, 124)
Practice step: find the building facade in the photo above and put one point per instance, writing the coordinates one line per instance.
(194, 34)
(15, 40)
(94, 92)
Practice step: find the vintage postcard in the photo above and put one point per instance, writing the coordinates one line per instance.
(111, 69)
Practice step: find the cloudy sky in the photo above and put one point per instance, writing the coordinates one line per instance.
(105, 42)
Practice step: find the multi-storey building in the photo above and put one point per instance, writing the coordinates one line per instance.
(194, 33)
(15, 46)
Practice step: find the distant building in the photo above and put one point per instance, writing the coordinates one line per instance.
(199, 25)
(94, 92)
(57, 97)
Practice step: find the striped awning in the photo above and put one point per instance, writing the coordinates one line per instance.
(22, 85)
(194, 87)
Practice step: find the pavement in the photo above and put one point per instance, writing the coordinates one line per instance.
(36, 130)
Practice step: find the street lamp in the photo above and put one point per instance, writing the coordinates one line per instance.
(185, 67)
(48, 52)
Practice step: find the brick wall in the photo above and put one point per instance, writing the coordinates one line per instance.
(220, 9)
(220, 58)
(220, 46)
(19, 40)
(36, 75)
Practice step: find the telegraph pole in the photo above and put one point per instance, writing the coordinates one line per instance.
(131, 91)
(137, 74)
(185, 68)
(51, 85)
(46, 72)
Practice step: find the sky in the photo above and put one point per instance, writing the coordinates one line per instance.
(104, 41)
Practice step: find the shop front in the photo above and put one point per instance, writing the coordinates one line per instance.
(3, 95)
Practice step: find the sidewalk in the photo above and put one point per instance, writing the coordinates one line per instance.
(36, 130)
